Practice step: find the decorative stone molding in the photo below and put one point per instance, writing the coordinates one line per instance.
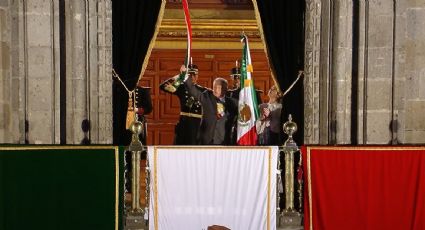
(312, 71)
(203, 4)
(209, 28)
(102, 87)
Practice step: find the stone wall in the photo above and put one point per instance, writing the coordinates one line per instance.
(30, 96)
(410, 70)
(375, 72)
(390, 68)
(89, 63)
(5, 105)
(392, 75)
(341, 72)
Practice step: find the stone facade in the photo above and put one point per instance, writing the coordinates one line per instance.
(390, 93)
(390, 67)
(30, 70)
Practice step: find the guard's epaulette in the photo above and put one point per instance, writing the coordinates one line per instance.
(170, 88)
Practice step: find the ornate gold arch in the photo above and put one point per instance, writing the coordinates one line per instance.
(207, 32)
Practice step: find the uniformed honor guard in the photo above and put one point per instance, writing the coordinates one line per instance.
(235, 75)
(143, 107)
(186, 130)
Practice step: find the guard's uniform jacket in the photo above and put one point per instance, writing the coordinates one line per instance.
(186, 130)
(144, 107)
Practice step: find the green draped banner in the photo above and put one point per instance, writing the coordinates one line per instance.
(61, 187)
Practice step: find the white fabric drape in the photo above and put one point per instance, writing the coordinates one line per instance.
(196, 187)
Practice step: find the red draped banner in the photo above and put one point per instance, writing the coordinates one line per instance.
(364, 188)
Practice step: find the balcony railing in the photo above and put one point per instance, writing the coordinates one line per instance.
(289, 197)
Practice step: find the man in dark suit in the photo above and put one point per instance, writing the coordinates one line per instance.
(186, 130)
(219, 112)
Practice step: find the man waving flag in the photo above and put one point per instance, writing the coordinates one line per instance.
(248, 108)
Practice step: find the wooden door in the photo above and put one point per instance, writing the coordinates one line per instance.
(164, 64)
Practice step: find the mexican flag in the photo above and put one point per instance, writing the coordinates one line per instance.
(247, 107)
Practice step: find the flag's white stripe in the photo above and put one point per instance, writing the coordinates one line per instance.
(189, 44)
(251, 123)
(247, 96)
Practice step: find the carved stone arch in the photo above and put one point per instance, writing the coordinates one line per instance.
(312, 70)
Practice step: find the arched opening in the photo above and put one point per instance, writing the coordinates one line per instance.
(217, 26)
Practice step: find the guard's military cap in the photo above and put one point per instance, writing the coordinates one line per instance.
(235, 73)
(192, 68)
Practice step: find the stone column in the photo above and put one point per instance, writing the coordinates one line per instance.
(29, 62)
(312, 71)
(410, 70)
(376, 73)
(328, 61)
(89, 43)
(34, 74)
(76, 75)
(40, 72)
(29, 65)
(6, 115)
(101, 84)
(326, 44)
(341, 72)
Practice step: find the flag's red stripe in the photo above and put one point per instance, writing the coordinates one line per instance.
(188, 28)
(249, 138)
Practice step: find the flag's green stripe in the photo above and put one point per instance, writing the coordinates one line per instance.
(244, 77)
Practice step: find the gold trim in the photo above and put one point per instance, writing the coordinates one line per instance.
(117, 183)
(263, 40)
(201, 43)
(209, 28)
(310, 197)
(355, 148)
(209, 147)
(190, 115)
(155, 191)
(210, 24)
(24, 147)
(269, 188)
(152, 42)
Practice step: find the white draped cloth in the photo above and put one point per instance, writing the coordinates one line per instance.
(196, 187)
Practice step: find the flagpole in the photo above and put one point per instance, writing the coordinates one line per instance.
(189, 38)
(247, 106)
(300, 73)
